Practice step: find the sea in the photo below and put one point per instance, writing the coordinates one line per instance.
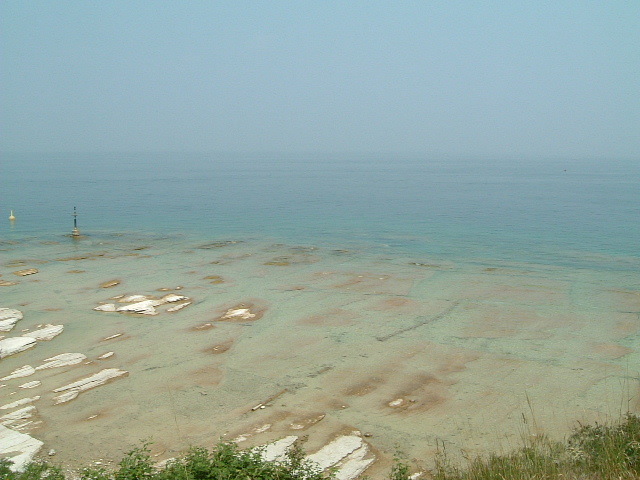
(424, 302)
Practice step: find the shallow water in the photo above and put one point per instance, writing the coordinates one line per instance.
(380, 316)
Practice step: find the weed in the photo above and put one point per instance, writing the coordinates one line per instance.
(399, 468)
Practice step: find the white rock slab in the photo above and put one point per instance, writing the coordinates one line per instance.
(26, 424)
(107, 307)
(18, 416)
(18, 403)
(277, 450)
(34, 384)
(24, 273)
(355, 464)
(262, 428)
(48, 332)
(111, 337)
(62, 360)
(104, 356)
(335, 451)
(19, 448)
(72, 390)
(172, 298)
(145, 307)
(11, 346)
(132, 298)
(238, 313)
(9, 313)
(179, 306)
(20, 372)
(8, 318)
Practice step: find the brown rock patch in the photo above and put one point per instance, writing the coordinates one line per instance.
(611, 350)
(302, 423)
(335, 317)
(365, 387)
(28, 271)
(214, 279)
(208, 376)
(293, 288)
(202, 327)
(221, 244)
(395, 303)
(379, 284)
(295, 259)
(219, 348)
(423, 393)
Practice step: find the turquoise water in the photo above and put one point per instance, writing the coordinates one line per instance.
(423, 302)
(552, 212)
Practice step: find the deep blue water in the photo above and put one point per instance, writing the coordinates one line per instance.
(553, 212)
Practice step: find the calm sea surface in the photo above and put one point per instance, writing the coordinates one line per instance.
(550, 212)
(426, 302)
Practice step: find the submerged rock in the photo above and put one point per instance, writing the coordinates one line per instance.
(8, 318)
(11, 346)
(143, 305)
(18, 416)
(20, 372)
(62, 360)
(110, 283)
(47, 333)
(179, 306)
(172, 298)
(111, 337)
(146, 307)
(24, 273)
(107, 307)
(18, 403)
(251, 310)
(133, 298)
(238, 314)
(72, 390)
(19, 448)
(33, 384)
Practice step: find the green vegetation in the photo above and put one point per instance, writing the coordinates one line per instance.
(224, 462)
(600, 452)
(592, 452)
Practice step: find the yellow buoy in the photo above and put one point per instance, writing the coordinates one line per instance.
(11, 217)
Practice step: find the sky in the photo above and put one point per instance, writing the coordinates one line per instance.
(439, 78)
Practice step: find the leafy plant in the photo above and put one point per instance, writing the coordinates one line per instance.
(136, 465)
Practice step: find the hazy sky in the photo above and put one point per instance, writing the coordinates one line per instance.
(509, 78)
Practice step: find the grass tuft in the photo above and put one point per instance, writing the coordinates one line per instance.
(592, 452)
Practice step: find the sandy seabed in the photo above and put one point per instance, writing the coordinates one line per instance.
(413, 352)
